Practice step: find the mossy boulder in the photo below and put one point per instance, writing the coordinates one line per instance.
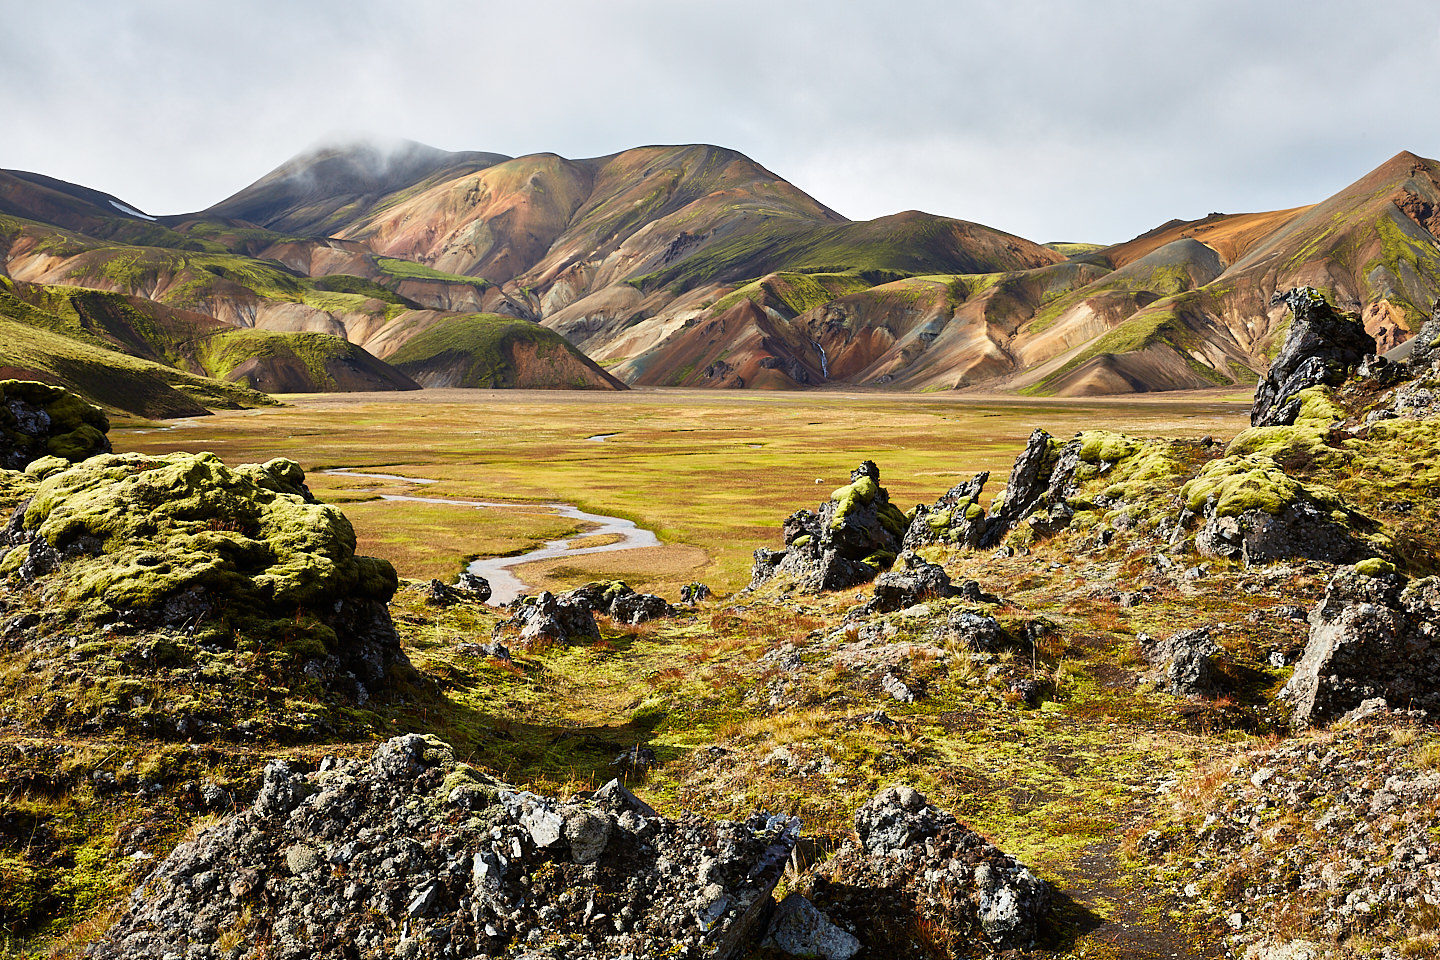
(1257, 512)
(957, 517)
(39, 420)
(183, 539)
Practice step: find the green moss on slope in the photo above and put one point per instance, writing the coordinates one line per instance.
(38, 344)
(480, 350)
(224, 352)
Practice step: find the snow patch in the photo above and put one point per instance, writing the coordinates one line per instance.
(131, 210)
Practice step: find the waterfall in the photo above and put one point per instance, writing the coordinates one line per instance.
(824, 361)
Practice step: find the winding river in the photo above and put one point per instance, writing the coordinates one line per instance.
(499, 571)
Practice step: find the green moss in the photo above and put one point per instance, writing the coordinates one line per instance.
(357, 286)
(168, 524)
(795, 292)
(1143, 330)
(410, 270)
(52, 342)
(316, 352)
(75, 429)
(1097, 446)
(1374, 567)
(1241, 483)
(478, 351)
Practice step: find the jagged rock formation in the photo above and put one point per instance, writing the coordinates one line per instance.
(915, 864)
(414, 855)
(846, 541)
(38, 420)
(1321, 347)
(1371, 636)
(957, 517)
(1186, 664)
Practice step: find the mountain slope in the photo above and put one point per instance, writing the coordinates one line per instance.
(316, 191)
(694, 265)
(492, 351)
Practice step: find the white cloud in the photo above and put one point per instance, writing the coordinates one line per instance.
(1054, 119)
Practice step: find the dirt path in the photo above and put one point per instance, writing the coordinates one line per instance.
(1116, 917)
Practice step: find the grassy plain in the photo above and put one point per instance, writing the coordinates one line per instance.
(712, 474)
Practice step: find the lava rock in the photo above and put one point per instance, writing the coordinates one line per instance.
(692, 593)
(1371, 636)
(800, 930)
(476, 586)
(844, 542)
(440, 594)
(415, 855)
(912, 863)
(38, 420)
(956, 517)
(1321, 347)
(543, 618)
(621, 603)
(910, 581)
(1187, 663)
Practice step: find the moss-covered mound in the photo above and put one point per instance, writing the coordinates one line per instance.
(219, 575)
(38, 420)
(143, 530)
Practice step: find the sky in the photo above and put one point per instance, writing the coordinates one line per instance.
(1077, 120)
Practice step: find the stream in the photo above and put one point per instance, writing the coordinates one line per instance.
(504, 584)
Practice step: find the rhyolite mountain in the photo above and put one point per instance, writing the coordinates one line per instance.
(695, 266)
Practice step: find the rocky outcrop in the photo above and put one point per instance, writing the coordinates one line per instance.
(799, 930)
(692, 593)
(1186, 664)
(620, 602)
(1321, 347)
(413, 855)
(1424, 347)
(38, 420)
(1371, 636)
(957, 517)
(1256, 512)
(229, 557)
(844, 542)
(912, 866)
(1312, 843)
(1301, 530)
(909, 582)
(544, 618)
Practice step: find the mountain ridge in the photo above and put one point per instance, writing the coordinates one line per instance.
(627, 255)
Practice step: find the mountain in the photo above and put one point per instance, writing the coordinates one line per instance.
(329, 185)
(694, 265)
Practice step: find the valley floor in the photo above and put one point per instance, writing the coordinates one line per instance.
(751, 700)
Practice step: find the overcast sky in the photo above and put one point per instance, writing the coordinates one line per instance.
(1058, 120)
